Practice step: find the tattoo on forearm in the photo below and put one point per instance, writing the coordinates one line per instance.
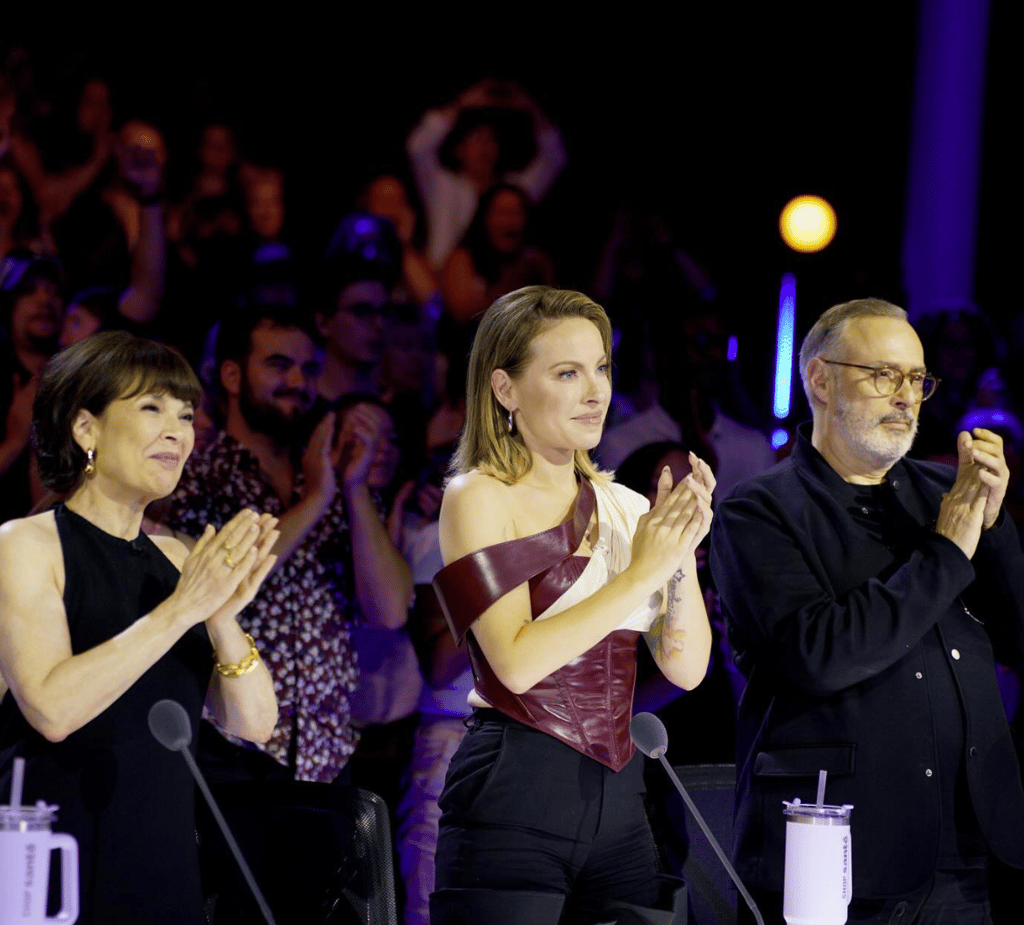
(669, 637)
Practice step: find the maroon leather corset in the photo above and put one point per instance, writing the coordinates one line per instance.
(587, 703)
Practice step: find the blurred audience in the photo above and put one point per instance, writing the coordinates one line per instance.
(386, 196)
(459, 151)
(494, 257)
(362, 265)
(31, 307)
(960, 347)
(342, 425)
(333, 564)
(701, 402)
(19, 219)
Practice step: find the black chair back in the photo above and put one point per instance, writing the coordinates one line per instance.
(712, 788)
(321, 854)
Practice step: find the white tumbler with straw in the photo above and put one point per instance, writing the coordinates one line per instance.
(818, 880)
(25, 846)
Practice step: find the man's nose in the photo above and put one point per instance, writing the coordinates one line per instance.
(295, 377)
(905, 394)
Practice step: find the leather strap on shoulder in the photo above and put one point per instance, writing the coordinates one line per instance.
(468, 586)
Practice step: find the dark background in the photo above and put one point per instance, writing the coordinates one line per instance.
(712, 119)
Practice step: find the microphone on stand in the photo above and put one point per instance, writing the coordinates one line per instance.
(649, 735)
(170, 726)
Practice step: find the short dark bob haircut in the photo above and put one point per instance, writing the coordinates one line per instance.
(90, 375)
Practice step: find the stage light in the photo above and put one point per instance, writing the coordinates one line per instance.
(784, 347)
(807, 224)
(733, 350)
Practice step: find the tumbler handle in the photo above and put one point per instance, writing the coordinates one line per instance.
(68, 848)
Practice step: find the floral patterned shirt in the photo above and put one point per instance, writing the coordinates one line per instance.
(299, 619)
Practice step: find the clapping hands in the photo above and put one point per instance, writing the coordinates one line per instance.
(226, 568)
(974, 501)
(677, 522)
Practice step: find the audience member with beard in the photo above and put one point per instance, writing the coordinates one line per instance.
(30, 315)
(268, 361)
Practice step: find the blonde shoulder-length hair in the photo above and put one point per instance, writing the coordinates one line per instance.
(503, 341)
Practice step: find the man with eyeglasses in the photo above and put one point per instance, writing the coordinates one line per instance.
(352, 325)
(864, 593)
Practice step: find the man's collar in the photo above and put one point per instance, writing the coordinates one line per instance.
(808, 456)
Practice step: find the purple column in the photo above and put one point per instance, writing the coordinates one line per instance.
(945, 153)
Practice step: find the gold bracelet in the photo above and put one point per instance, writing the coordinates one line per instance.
(244, 666)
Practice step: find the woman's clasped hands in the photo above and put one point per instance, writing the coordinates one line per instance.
(226, 567)
(676, 524)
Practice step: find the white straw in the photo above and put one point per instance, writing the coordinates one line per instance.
(821, 787)
(17, 782)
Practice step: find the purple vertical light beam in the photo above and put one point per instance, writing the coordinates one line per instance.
(784, 357)
(945, 156)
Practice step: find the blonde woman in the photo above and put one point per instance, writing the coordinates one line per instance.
(552, 573)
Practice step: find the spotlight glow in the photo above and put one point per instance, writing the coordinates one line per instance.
(807, 224)
(733, 349)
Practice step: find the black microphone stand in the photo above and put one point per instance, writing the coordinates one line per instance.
(649, 735)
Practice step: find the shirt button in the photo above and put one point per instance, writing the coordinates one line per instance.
(896, 484)
(928, 772)
(864, 510)
(955, 653)
(918, 675)
(973, 752)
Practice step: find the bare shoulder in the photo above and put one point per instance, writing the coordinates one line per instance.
(28, 538)
(476, 512)
(30, 551)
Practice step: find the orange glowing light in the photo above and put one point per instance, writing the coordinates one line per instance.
(807, 224)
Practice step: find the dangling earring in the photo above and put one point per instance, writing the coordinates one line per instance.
(90, 459)
(511, 424)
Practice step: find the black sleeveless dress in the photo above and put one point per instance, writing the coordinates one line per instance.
(127, 799)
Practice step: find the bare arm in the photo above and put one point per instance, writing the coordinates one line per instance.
(383, 581)
(59, 692)
(320, 487)
(55, 192)
(140, 302)
(680, 638)
(140, 166)
(419, 277)
(522, 651)
(382, 577)
(465, 293)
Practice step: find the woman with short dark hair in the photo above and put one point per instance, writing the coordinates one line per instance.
(98, 622)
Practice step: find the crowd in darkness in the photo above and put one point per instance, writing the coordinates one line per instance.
(335, 391)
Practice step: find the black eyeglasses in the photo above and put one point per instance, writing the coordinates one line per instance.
(889, 380)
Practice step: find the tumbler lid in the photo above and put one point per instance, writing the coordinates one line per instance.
(813, 814)
(27, 818)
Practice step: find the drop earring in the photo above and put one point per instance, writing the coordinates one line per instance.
(90, 460)
(511, 424)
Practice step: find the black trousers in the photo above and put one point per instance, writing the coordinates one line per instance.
(521, 811)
